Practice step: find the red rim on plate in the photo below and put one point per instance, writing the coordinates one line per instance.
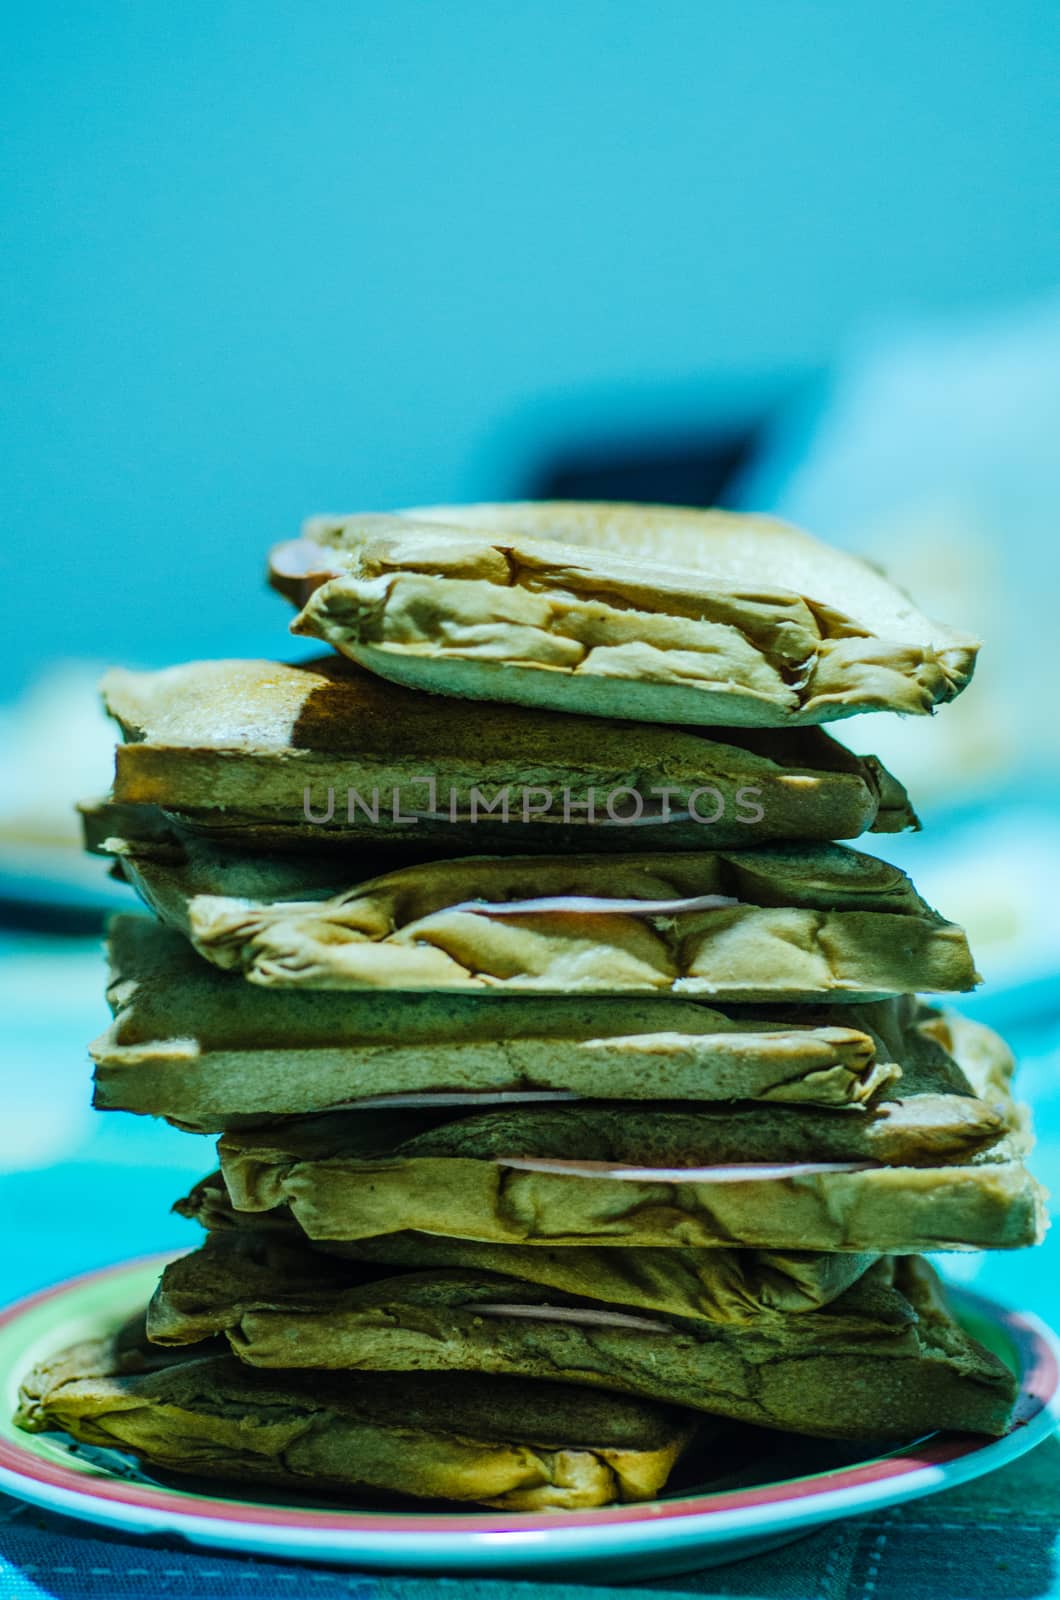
(1040, 1380)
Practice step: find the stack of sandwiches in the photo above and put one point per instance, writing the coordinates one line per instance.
(574, 1096)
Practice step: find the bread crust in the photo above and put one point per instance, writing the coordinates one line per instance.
(779, 924)
(660, 613)
(451, 1436)
(883, 1359)
(244, 749)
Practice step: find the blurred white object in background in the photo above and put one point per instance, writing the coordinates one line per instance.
(58, 749)
(935, 452)
(49, 988)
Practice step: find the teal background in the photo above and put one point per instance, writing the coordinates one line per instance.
(263, 258)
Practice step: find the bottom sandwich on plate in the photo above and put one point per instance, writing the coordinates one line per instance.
(455, 1436)
(448, 1471)
(884, 1359)
(266, 1362)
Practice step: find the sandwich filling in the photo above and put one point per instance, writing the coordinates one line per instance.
(775, 924)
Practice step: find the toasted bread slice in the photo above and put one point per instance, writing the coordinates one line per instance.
(528, 1199)
(321, 752)
(729, 1286)
(210, 1052)
(450, 1436)
(650, 612)
(885, 1359)
(587, 1175)
(783, 923)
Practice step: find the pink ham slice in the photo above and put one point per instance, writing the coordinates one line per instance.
(302, 563)
(454, 1097)
(587, 1316)
(746, 1172)
(594, 905)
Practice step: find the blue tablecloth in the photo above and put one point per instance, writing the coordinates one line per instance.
(80, 1190)
(992, 1540)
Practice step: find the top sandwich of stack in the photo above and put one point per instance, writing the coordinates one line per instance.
(502, 1104)
(609, 610)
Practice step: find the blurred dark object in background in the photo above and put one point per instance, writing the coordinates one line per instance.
(695, 470)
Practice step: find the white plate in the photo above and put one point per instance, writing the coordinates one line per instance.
(780, 1487)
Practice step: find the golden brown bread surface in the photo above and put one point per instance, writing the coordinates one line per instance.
(210, 1052)
(575, 1177)
(656, 613)
(243, 748)
(869, 1364)
(452, 1436)
(731, 1286)
(780, 923)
